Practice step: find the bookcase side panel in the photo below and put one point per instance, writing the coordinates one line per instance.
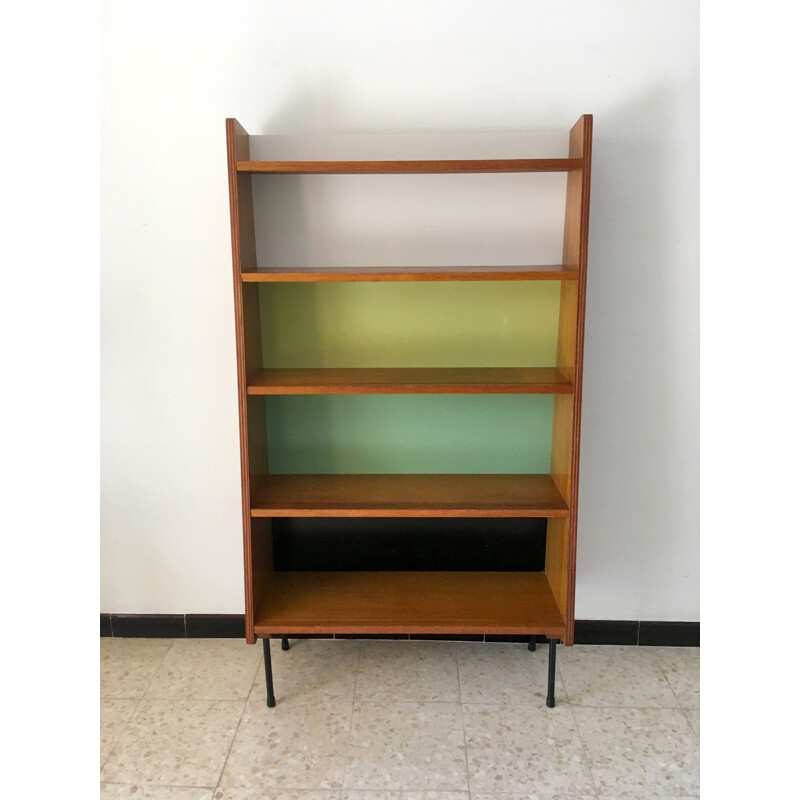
(252, 421)
(567, 416)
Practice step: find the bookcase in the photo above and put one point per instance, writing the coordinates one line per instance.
(533, 599)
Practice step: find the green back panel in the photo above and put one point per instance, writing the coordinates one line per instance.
(409, 433)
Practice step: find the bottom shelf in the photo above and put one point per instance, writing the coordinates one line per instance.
(409, 602)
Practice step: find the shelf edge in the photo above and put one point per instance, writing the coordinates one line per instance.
(398, 274)
(410, 167)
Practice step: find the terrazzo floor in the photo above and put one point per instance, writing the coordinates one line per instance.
(186, 719)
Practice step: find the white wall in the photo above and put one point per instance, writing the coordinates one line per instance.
(172, 72)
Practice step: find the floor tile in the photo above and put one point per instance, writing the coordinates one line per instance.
(693, 715)
(134, 791)
(371, 794)
(504, 674)
(408, 671)
(681, 665)
(517, 750)
(178, 742)
(206, 669)
(113, 716)
(518, 796)
(128, 665)
(257, 793)
(640, 751)
(311, 671)
(526, 749)
(602, 675)
(294, 745)
(411, 746)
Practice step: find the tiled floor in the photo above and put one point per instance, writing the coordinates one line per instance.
(385, 720)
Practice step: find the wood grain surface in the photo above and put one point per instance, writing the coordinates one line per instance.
(409, 602)
(407, 496)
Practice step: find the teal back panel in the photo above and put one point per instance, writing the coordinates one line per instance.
(409, 433)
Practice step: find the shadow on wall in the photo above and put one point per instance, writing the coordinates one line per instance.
(636, 416)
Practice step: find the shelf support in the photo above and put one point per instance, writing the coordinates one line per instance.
(268, 673)
(532, 644)
(284, 642)
(551, 675)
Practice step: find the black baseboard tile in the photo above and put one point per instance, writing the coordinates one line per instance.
(669, 634)
(157, 626)
(215, 626)
(606, 631)
(587, 631)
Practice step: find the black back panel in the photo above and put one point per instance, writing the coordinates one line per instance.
(402, 543)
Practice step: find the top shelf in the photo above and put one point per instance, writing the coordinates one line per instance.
(409, 167)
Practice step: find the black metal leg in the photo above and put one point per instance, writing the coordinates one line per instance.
(551, 676)
(532, 644)
(284, 642)
(268, 673)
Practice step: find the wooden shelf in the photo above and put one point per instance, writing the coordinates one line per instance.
(548, 272)
(410, 380)
(409, 167)
(406, 496)
(409, 602)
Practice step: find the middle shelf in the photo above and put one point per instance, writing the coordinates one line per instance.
(409, 380)
(406, 495)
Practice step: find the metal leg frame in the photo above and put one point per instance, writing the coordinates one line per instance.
(268, 673)
(551, 675)
(551, 671)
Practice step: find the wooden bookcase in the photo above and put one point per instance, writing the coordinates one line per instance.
(281, 603)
